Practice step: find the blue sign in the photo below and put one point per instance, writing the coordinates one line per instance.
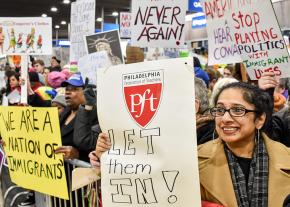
(60, 43)
(194, 6)
(108, 27)
(199, 21)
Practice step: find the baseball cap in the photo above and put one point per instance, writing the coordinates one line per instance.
(75, 80)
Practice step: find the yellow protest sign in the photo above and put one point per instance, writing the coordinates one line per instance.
(31, 135)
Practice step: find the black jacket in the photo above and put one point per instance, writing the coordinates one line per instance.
(280, 129)
(86, 129)
(67, 134)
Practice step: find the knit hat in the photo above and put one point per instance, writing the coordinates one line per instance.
(55, 79)
(60, 99)
(67, 73)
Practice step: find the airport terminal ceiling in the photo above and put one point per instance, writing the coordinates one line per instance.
(35, 8)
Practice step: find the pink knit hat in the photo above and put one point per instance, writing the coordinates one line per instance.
(67, 73)
(56, 78)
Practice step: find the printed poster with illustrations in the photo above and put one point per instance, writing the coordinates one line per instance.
(148, 111)
(106, 41)
(31, 136)
(158, 23)
(25, 36)
(248, 32)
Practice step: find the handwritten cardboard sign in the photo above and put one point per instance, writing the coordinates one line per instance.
(125, 24)
(89, 64)
(31, 136)
(248, 32)
(25, 35)
(82, 23)
(158, 23)
(144, 165)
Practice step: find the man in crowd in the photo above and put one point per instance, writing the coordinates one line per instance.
(76, 146)
(39, 66)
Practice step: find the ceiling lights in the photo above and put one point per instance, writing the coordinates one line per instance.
(53, 9)
(63, 22)
(44, 15)
(66, 1)
(99, 19)
(56, 26)
(115, 14)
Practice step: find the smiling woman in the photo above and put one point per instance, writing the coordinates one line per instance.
(243, 161)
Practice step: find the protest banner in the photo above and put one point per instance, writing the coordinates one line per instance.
(89, 64)
(248, 32)
(106, 41)
(31, 135)
(144, 165)
(82, 23)
(26, 35)
(125, 24)
(158, 23)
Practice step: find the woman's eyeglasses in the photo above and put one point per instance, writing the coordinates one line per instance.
(234, 112)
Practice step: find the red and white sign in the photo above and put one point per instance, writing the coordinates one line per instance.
(125, 25)
(142, 93)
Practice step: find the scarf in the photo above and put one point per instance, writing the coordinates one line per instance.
(255, 192)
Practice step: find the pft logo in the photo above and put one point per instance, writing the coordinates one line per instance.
(143, 100)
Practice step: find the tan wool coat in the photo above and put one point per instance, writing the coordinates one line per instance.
(215, 177)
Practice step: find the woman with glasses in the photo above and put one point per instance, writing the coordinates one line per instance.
(243, 167)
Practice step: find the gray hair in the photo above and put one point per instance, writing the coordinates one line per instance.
(218, 86)
(201, 93)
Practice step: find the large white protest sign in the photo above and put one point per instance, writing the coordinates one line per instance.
(148, 111)
(125, 24)
(25, 36)
(248, 32)
(158, 23)
(82, 23)
(89, 64)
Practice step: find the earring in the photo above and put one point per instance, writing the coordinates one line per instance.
(213, 135)
(258, 136)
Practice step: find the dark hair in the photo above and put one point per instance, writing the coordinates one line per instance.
(196, 62)
(57, 60)
(40, 62)
(230, 68)
(9, 75)
(253, 95)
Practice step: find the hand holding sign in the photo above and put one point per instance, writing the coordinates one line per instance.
(267, 81)
(69, 152)
(103, 144)
(94, 160)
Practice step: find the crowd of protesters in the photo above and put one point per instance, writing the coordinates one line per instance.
(243, 129)
(243, 136)
(74, 98)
